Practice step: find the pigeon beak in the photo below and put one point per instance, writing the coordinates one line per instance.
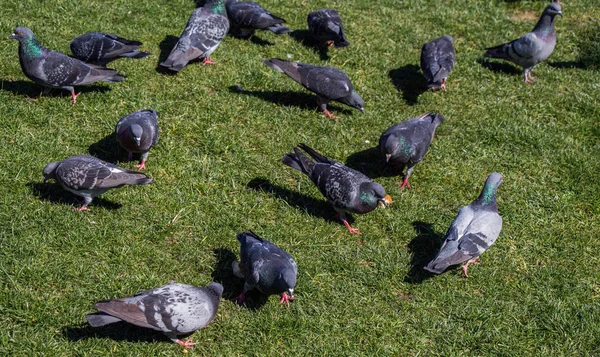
(45, 180)
(560, 13)
(12, 36)
(137, 141)
(387, 158)
(291, 292)
(362, 110)
(385, 201)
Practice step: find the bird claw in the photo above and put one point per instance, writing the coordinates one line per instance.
(240, 299)
(187, 343)
(285, 298)
(74, 97)
(208, 61)
(141, 166)
(329, 115)
(82, 208)
(404, 183)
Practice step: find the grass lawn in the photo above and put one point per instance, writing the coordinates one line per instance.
(217, 172)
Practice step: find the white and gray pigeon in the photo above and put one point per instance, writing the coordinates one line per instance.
(475, 229)
(175, 309)
(346, 189)
(206, 27)
(532, 48)
(325, 25)
(326, 82)
(101, 48)
(247, 16)
(88, 177)
(437, 61)
(406, 143)
(266, 267)
(54, 69)
(137, 133)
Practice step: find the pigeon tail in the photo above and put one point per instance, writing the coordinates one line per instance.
(315, 155)
(287, 67)
(278, 29)
(142, 181)
(178, 59)
(114, 78)
(136, 54)
(299, 161)
(342, 42)
(101, 319)
(497, 52)
(435, 268)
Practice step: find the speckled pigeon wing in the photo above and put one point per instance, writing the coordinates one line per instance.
(338, 183)
(252, 15)
(526, 47)
(204, 31)
(89, 173)
(328, 82)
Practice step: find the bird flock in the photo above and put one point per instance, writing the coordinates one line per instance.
(178, 309)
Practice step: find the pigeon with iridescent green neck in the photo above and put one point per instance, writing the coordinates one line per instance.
(532, 48)
(56, 70)
(205, 29)
(137, 133)
(406, 143)
(473, 231)
(348, 190)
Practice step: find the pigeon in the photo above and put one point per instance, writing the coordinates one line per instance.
(245, 17)
(175, 309)
(265, 266)
(475, 229)
(326, 82)
(326, 27)
(101, 48)
(54, 69)
(203, 33)
(346, 189)
(437, 61)
(532, 48)
(406, 143)
(88, 177)
(137, 133)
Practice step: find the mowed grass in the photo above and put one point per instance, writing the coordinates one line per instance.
(217, 173)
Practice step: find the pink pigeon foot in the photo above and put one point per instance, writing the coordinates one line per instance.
(285, 298)
(444, 85)
(74, 97)
(141, 166)
(208, 61)
(187, 343)
(241, 298)
(404, 183)
(345, 222)
(82, 208)
(330, 43)
(465, 267)
(329, 115)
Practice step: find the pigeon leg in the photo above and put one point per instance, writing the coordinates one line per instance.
(342, 217)
(141, 166)
(329, 115)
(329, 43)
(532, 78)
(208, 61)
(74, 96)
(82, 208)
(444, 85)
(129, 156)
(285, 298)
(465, 267)
(404, 182)
(186, 344)
(241, 298)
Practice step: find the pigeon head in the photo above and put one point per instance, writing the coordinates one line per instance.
(136, 133)
(391, 147)
(448, 38)
(50, 171)
(22, 34)
(488, 194)
(216, 289)
(355, 101)
(286, 281)
(373, 194)
(554, 9)
(437, 118)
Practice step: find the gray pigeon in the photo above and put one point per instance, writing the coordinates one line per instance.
(326, 82)
(406, 143)
(88, 177)
(346, 189)
(56, 70)
(203, 33)
(245, 17)
(265, 266)
(175, 309)
(326, 27)
(532, 48)
(101, 48)
(137, 133)
(437, 61)
(474, 230)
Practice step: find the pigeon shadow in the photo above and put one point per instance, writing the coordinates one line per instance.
(166, 45)
(409, 81)
(119, 331)
(32, 90)
(54, 193)
(423, 248)
(107, 149)
(305, 38)
(369, 162)
(499, 67)
(316, 208)
(568, 64)
(252, 38)
(289, 99)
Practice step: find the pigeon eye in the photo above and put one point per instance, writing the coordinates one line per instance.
(19, 33)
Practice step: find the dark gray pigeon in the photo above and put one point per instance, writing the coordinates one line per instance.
(326, 27)
(346, 189)
(406, 143)
(137, 133)
(246, 17)
(437, 61)
(56, 70)
(326, 82)
(475, 229)
(88, 177)
(205, 29)
(265, 266)
(101, 48)
(532, 48)
(175, 309)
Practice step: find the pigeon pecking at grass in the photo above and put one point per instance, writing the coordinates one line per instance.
(137, 133)
(88, 177)
(246, 17)
(406, 143)
(437, 61)
(326, 82)
(532, 48)
(473, 231)
(325, 25)
(52, 69)
(175, 309)
(101, 48)
(346, 189)
(266, 267)
(206, 27)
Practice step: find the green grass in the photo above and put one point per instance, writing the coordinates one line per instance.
(217, 173)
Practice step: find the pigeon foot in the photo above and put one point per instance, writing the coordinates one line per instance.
(285, 298)
(329, 115)
(444, 85)
(74, 97)
(141, 166)
(82, 208)
(240, 298)
(208, 61)
(187, 343)
(465, 267)
(404, 183)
